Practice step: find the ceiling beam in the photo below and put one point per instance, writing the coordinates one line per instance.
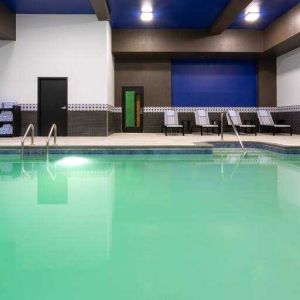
(7, 23)
(229, 14)
(172, 42)
(101, 9)
(278, 38)
(284, 34)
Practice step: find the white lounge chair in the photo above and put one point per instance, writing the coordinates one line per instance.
(202, 121)
(171, 121)
(236, 120)
(266, 120)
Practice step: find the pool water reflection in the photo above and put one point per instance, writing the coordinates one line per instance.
(150, 227)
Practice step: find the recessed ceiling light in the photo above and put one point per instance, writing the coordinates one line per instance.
(147, 7)
(146, 16)
(147, 12)
(252, 12)
(252, 16)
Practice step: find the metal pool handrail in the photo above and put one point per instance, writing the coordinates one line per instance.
(234, 129)
(53, 131)
(222, 125)
(29, 128)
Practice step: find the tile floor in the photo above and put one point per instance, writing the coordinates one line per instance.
(154, 139)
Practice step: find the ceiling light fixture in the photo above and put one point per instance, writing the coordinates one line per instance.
(252, 12)
(147, 12)
(146, 17)
(252, 16)
(147, 7)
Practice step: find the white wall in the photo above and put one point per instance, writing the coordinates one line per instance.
(73, 46)
(111, 70)
(288, 78)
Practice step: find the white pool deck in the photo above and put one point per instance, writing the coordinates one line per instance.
(155, 139)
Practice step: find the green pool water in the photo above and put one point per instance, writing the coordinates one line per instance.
(150, 227)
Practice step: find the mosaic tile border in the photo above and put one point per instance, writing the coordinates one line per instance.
(291, 108)
(29, 107)
(209, 109)
(152, 109)
(114, 109)
(207, 149)
(37, 151)
(77, 107)
(87, 107)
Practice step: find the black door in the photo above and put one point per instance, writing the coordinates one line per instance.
(53, 105)
(132, 109)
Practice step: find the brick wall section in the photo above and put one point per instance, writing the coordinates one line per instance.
(118, 122)
(153, 122)
(97, 124)
(114, 123)
(87, 123)
(84, 123)
(28, 117)
(110, 123)
(291, 118)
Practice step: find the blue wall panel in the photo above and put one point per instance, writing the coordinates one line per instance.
(214, 83)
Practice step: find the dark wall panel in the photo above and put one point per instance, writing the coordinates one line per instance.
(283, 35)
(114, 123)
(7, 23)
(80, 123)
(155, 77)
(86, 123)
(267, 82)
(291, 118)
(29, 117)
(153, 122)
(214, 83)
(172, 42)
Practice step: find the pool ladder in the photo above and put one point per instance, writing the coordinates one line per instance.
(53, 131)
(30, 129)
(234, 129)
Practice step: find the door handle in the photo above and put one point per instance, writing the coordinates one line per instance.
(64, 108)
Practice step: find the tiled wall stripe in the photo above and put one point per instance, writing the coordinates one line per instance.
(149, 109)
(291, 108)
(193, 109)
(78, 107)
(29, 107)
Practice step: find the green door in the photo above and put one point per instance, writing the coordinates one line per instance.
(132, 109)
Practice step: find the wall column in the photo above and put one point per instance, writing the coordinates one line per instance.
(267, 82)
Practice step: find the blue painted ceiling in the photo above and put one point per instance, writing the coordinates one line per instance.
(167, 13)
(270, 11)
(50, 6)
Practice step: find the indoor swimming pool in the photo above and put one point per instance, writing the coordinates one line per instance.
(150, 227)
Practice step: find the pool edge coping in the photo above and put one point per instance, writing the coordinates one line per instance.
(201, 147)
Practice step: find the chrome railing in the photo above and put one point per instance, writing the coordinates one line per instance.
(29, 128)
(53, 131)
(222, 125)
(234, 129)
